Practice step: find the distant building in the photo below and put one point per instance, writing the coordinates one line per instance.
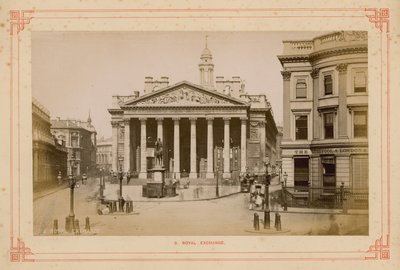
(104, 154)
(206, 128)
(49, 156)
(81, 143)
(279, 137)
(325, 106)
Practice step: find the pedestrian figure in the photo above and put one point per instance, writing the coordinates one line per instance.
(59, 178)
(333, 226)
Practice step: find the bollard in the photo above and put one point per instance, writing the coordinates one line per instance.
(278, 222)
(267, 220)
(129, 206)
(67, 228)
(55, 226)
(77, 229)
(109, 205)
(256, 222)
(87, 224)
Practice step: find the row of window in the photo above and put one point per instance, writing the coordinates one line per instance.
(360, 125)
(359, 172)
(359, 85)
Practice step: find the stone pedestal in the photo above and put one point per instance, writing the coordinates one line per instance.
(158, 174)
(155, 187)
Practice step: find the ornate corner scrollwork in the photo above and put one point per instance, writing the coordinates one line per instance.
(380, 18)
(114, 124)
(341, 68)
(18, 19)
(286, 75)
(379, 250)
(20, 252)
(315, 73)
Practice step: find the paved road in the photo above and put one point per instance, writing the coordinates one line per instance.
(226, 216)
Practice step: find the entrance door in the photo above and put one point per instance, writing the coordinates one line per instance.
(218, 161)
(301, 172)
(328, 174)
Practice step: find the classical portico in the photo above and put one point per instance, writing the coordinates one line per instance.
(184, 116)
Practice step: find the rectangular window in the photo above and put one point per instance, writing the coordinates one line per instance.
(301, 88)
(301, 172)
(360, 124)
(328, 125)
(360, 172)
(301, 127)
(328, 84)
(360, 82)
(328, 174)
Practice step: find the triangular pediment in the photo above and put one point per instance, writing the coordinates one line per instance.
(185, 94)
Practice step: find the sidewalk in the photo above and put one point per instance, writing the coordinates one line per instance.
(48, 189)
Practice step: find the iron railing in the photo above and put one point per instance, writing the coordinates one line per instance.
(324, 197)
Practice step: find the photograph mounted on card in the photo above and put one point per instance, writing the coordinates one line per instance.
(225, 134)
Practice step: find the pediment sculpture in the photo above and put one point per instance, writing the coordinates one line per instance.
(184, 96)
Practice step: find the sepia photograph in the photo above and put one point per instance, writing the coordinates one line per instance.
(177, 133)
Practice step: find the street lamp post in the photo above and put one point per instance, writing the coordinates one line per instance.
(121, 176)
(70, 219)
(284, 184)
(267, 182)
(101, 184)
(103, 179)
(217, 184)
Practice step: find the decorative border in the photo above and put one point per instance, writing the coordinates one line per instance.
(380, 17)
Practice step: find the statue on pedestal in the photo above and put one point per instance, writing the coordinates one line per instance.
(158, 152)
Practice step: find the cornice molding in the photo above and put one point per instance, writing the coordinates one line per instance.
(338, 51)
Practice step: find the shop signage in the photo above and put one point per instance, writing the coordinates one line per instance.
(341, 150)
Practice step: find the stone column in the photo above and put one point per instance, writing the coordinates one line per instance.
(143, 149)
(127, 146)
(177, 170)
(160, 129)
(210, 148)
(286, 104)
(114, 149)
(227, 142)
(316, 118)
(193, 150)
(262, 144)
(342, 110)
(243, 144)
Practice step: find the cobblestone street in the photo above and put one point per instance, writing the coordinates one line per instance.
(225, 216)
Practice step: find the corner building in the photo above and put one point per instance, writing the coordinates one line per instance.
(325, 105)
(49, 154)
(206, 128)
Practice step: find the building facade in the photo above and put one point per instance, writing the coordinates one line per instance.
(49, 155)
(80, 138)
(205, 128)
(104, 154)
(325, 102)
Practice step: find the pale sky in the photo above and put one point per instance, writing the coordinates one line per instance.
(74, 72)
